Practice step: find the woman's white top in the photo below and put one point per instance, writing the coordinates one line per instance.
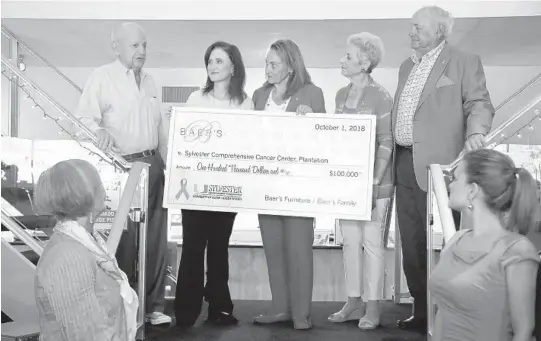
(198, 99)
(272, 106)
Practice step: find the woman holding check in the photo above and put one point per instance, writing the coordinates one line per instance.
(363, 248)
(224, 89)
(288, 240)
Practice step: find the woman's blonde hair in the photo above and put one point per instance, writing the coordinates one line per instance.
(370, 46)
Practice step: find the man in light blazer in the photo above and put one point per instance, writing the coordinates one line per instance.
(441, 108)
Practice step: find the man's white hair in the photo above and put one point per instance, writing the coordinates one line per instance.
(119, 29)
(441, 17)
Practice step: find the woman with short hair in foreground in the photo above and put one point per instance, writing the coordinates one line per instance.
(81, 293)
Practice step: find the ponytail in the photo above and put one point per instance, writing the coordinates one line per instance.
(522, 213)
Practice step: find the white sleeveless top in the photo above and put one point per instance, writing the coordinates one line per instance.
(198, 99)
(273, 107)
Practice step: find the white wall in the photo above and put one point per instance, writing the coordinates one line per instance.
(256, 10)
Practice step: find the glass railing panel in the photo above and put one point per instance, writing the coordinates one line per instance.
(37, 118)
(5, 41)
(44, 74)
(528, 96)
(5, 103)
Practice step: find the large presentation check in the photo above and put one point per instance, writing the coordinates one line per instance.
(271, 163)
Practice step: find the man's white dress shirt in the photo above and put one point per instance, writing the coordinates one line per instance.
(112, 101)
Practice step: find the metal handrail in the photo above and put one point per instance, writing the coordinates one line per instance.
(490, 137)
(115, 157)
(437, 176)
(20, 232)
(518, 92)
(8, 33)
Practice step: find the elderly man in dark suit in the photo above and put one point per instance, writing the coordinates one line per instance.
(441, 108)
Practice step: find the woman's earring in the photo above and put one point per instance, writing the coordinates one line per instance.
(470, 207)
(91, 218)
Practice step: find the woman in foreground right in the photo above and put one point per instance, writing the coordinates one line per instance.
(484, 284)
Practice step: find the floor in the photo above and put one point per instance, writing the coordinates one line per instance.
(322, 331)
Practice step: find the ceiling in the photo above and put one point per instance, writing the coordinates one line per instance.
(509, 41)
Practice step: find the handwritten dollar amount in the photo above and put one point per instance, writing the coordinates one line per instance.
(344, 174)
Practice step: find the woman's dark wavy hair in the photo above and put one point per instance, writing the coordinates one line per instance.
(291, 56)
(507, 189)
(238, 79)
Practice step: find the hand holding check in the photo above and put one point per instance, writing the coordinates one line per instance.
(303, 109)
